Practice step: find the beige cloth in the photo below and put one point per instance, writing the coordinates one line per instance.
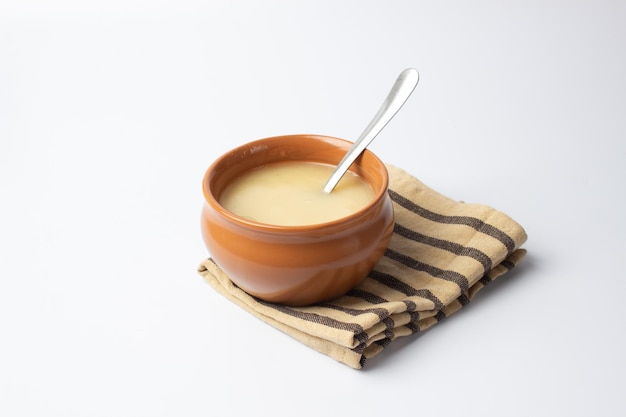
(441, 254)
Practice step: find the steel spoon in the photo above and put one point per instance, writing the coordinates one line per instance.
(400, 92)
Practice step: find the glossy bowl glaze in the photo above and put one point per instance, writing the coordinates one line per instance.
(296, 265)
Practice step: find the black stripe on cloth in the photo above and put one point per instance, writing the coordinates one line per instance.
(412, 324)
(440, 315)
(360, 347)
(446, 245)
(389, 323)
(362, 361)
(507, 264)
(366, 296)
(413, 327)
(397, 285)
(444, 274)
(472, 222)
(357, 329)
(389, 335)
(463, 299)
(384, 342)
(410, 306)
(486, 279)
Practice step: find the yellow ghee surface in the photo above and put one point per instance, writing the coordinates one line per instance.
(291, 194)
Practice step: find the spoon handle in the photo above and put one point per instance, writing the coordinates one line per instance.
(400, 92)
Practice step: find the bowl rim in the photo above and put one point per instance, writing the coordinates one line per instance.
(268, 227)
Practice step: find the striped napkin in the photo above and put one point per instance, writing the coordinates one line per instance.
(441, 254)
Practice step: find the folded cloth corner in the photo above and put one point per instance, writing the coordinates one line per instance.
(441, 254)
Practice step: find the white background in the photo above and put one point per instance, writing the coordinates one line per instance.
(110, 112)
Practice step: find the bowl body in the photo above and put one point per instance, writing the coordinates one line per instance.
(296, 265)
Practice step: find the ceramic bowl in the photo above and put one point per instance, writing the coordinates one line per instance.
(296, 265)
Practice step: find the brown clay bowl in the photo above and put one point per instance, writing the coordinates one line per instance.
(296, 265)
